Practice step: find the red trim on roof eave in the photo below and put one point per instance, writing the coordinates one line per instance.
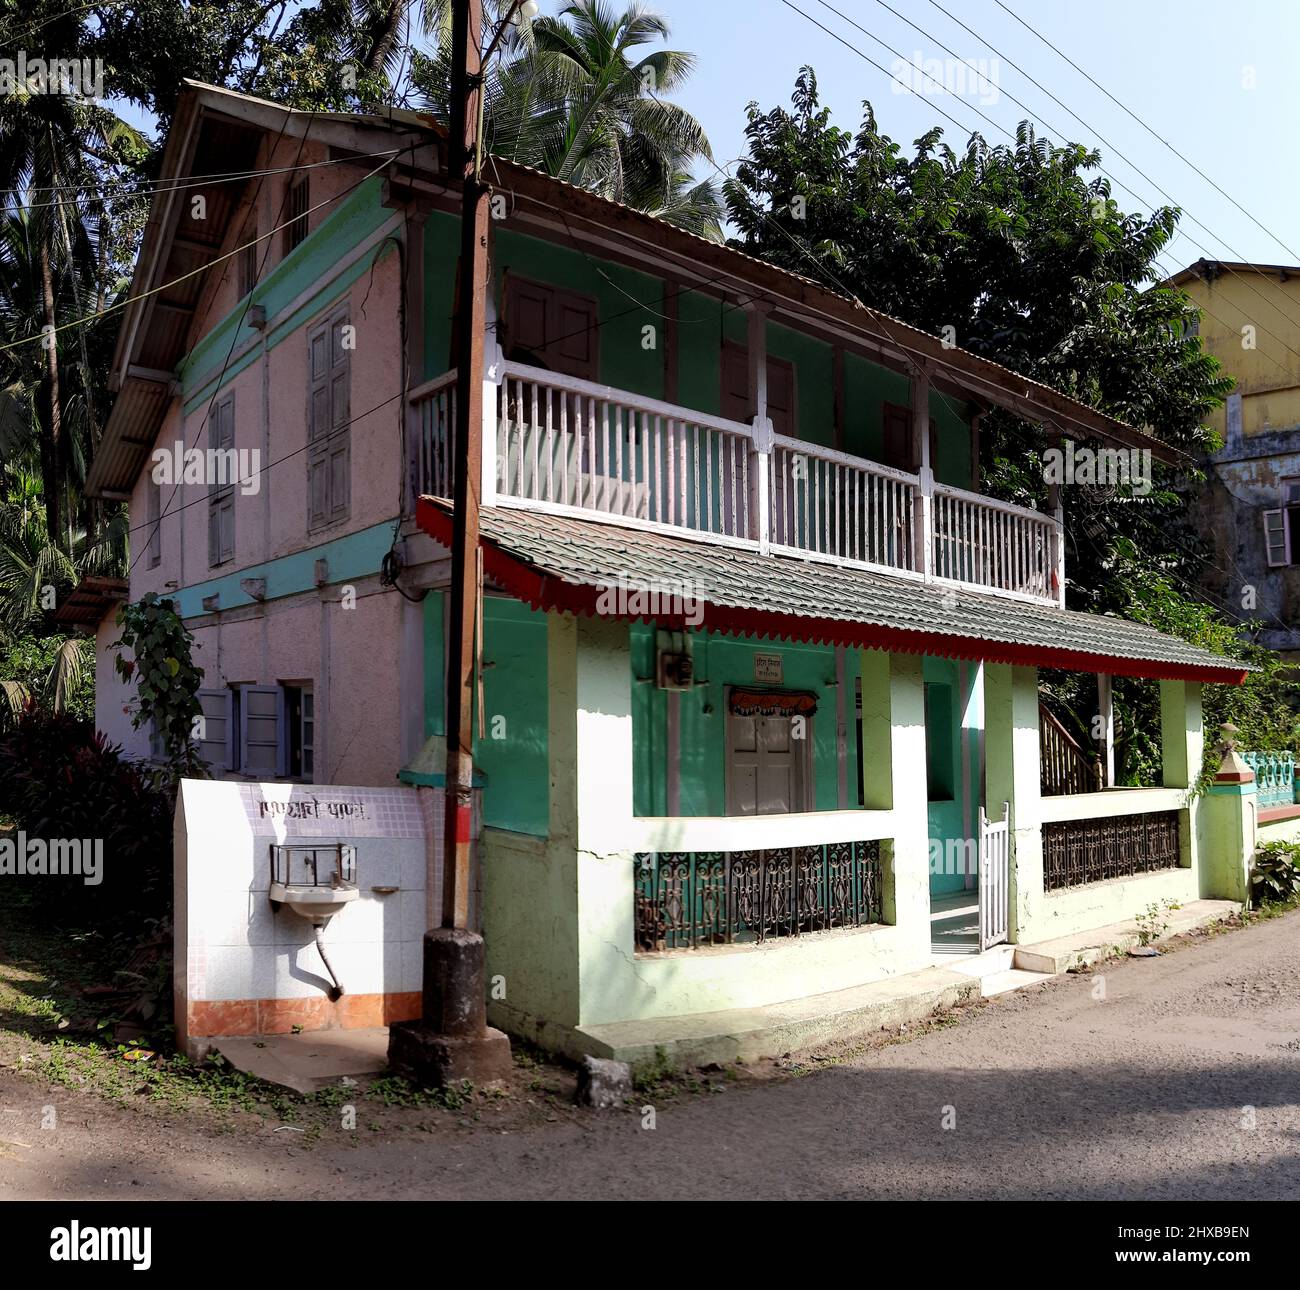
(545, 591)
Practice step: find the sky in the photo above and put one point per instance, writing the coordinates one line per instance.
(1216, 82)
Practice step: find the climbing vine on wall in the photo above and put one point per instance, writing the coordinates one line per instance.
(166, 679)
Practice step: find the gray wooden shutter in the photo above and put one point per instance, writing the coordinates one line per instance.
(329, 452)
(155, 523)
(1275, 538)
(263, 749)
(221, 492)
(340, 450)
(216, 747)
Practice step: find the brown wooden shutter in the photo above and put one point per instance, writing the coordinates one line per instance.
(552, 328)
(897, 440)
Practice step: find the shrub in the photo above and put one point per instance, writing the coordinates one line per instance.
(1275, 875)
(59, 778)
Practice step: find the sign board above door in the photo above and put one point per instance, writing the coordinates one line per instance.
(767, 669)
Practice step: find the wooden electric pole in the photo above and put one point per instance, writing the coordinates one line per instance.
(471, 323)
(452, 1040)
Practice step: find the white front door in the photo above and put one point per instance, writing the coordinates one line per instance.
(767, 767)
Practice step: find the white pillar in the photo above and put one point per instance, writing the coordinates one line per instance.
(1106, 710)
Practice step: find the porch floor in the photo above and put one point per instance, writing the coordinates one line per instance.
(954, 924)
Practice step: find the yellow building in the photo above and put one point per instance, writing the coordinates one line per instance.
(1250, 508)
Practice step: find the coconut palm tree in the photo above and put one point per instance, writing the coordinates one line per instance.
(575, 95)
(51, 144)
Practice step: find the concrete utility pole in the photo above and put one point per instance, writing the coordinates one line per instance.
(452, 1041)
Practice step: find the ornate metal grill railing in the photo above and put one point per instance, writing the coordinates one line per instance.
(1079, 851)
(685, 899)
(1274, 777)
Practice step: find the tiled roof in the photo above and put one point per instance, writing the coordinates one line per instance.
(555, 561)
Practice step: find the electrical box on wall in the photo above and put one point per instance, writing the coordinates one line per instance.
(674, 663)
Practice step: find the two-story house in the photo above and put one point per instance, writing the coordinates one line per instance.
(759, 714)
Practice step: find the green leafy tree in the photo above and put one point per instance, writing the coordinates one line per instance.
(1022, 252)
(166, 679)
(578, 96)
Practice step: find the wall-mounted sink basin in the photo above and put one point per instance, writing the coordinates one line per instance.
(314, 903)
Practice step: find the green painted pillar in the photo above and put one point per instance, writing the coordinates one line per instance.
(1182, 738)
(1227, 835)
(877, 731)
(1011, 759)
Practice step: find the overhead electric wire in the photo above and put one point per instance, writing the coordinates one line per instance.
(150, 188)
(202, 268)
(1159, 138)
(1042, 120)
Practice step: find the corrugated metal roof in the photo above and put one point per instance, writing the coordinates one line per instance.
(554, 561)
(90, 600)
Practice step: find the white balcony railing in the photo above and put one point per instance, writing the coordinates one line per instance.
(553, 442)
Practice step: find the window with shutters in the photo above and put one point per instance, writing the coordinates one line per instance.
(1282, 527)
(780, 390)
(295, 216)
(154, 519)
(247, 259)
(546, 327)
(300, 730)
(221, 486)
(258, 731)
(262, 746)
(216, 730)
(329, 436)
(899, 443)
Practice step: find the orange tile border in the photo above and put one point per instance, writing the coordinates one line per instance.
(205, 1018)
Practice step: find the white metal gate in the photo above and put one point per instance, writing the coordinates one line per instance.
(995, 874)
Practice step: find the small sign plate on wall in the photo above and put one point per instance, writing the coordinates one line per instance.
(767, 669)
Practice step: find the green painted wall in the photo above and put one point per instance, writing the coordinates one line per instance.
(629, 301)
(952, 799)
(722, 660)
(511, 754)
(350, 557)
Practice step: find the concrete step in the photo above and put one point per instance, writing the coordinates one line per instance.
(749, 1033)
(1083, 949)
(997, 959)
(1010, 979)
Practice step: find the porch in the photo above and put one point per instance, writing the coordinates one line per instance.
(657, 891)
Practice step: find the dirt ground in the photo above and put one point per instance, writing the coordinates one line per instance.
(1171, 1078)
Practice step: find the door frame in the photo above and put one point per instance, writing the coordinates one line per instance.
(803, 765)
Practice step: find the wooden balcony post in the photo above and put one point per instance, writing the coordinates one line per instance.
(1056, 509)
(493, 377)
(925, 498)
(760, 452)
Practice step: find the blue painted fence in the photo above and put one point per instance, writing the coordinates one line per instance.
(1274, 777)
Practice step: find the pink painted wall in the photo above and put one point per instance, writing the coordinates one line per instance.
(352, 656)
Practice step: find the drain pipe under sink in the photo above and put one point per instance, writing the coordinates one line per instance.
(336, 990)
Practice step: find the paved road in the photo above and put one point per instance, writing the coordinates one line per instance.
(1183, 1082)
